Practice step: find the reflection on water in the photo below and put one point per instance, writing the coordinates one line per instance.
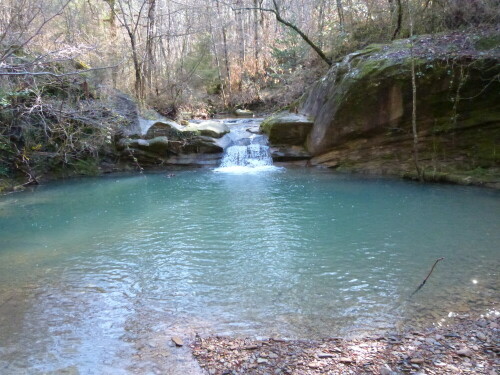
(95, 273)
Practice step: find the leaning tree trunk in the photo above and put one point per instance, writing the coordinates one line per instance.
(298, 31)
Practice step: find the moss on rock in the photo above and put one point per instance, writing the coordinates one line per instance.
(286, 128)
(363, 109)
(488, 43)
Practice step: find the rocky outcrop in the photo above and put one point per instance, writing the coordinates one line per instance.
(167, 142)
(362, 109)
(371, 94)
(212, 129)
(164, 128)
(127, 109)
(289, 153)
(287, 134)
(287, 129)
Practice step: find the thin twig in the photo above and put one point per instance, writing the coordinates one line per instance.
(425, 280)
(51, 74)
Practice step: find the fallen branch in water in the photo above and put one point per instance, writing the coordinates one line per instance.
(425, 280)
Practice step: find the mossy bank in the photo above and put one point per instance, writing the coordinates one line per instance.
(362, 110)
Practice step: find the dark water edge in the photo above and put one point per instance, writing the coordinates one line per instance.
(10, 185)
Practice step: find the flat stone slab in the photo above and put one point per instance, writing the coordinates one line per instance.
(290, 153)
(287, 128)
(212, 129)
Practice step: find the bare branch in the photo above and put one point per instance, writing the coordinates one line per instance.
(427, 277)
(52, 74)
(10, 51)
(281, 20)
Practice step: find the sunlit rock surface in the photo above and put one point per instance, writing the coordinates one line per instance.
(362, 110)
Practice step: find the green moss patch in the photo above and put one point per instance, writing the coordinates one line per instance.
(488, 43)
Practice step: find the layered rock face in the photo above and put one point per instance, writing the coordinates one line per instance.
(362, 109)
(166, 142)
(287, 134)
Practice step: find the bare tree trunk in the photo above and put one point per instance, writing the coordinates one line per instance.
(256, 37)
(276, 11)
(340, 11)
(168, 54)
(321, 25)
(217, 61)
(113, 36)
(399, 20)
(139, 83)
(149, 63)
(414, 100)
(241, 32)
(131, 27)
(224, 43)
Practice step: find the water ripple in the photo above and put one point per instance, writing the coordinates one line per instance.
(293, 254)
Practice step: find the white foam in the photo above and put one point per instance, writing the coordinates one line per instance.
(239, 169)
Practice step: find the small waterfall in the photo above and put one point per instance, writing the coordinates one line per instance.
(253, 155)
(246, 152)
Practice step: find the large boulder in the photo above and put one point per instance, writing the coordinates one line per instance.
(157, 145)
(202, 145)
(289, 153)
(362, 108)
(287, 128)
(198, 150)
(164, 128)
(212, 129)
(243, 113)
(127, 111)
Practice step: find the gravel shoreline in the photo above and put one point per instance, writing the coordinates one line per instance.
(464, 346)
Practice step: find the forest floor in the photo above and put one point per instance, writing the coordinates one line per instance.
(465, 346)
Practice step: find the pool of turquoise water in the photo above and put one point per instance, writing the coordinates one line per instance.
(88, 267)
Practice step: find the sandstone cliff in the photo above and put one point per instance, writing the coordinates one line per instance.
(361, 110)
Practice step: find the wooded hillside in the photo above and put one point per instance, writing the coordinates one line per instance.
(173, 53)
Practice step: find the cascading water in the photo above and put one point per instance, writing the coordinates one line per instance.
(253, 155)
(246, 152)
